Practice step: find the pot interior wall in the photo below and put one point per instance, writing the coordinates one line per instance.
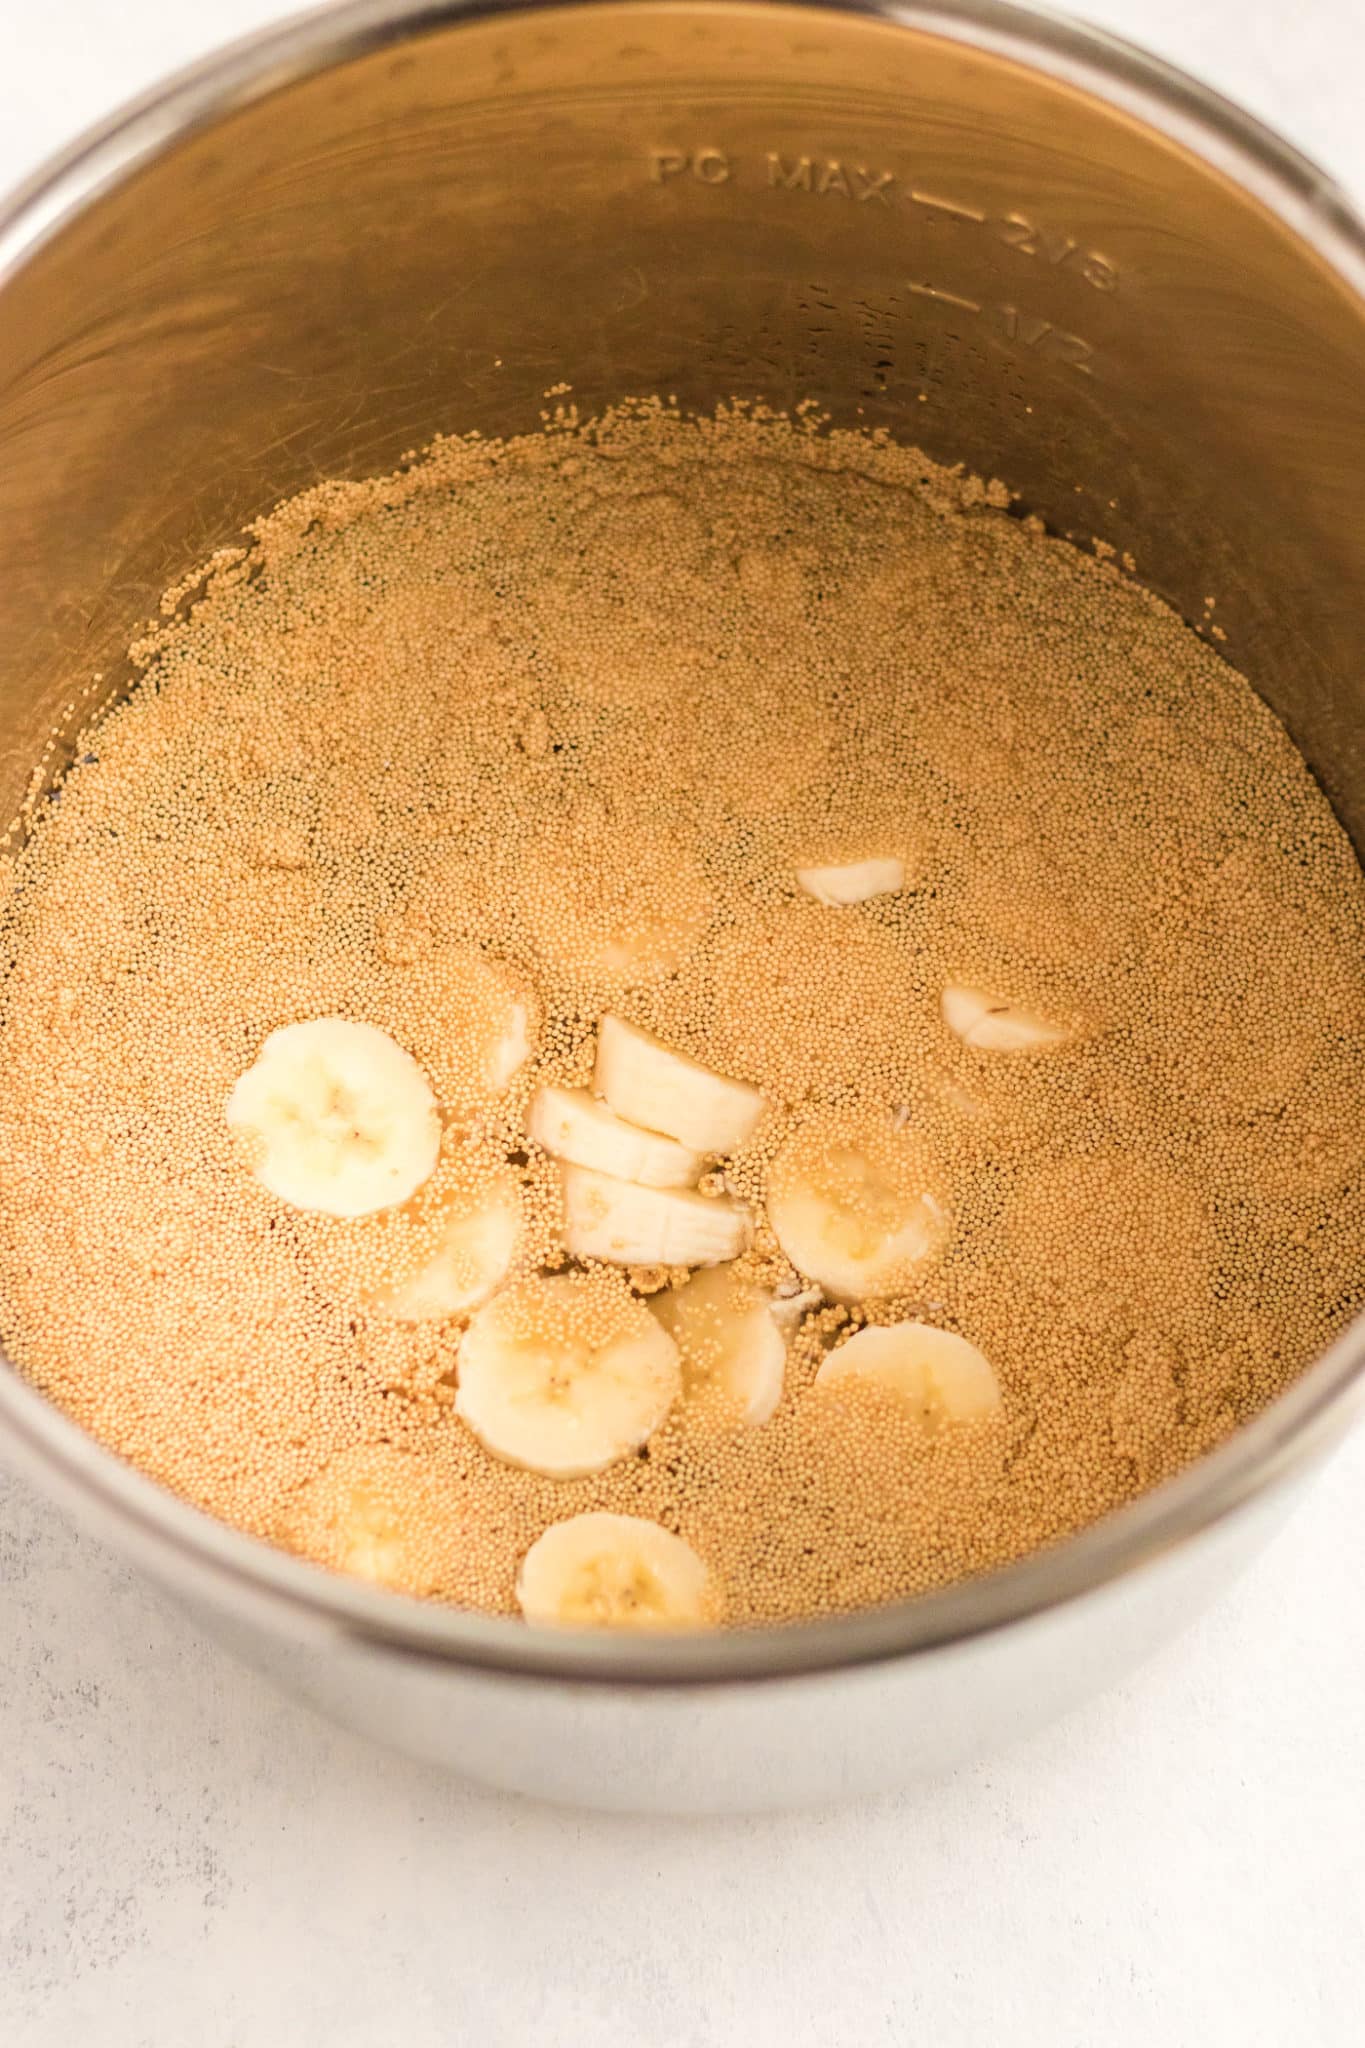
(700, 201)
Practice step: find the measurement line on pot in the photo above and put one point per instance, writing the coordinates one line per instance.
(821, 177)
(940, 205)
(930, 291)
(1031, 330)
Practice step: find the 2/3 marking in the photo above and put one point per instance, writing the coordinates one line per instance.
(1017, 231)
(861, 184)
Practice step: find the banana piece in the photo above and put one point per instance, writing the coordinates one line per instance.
(942, 1377)
(491, 1012)
(473, 1016)
(572, 1125)
(734, 1356)
(647, 947)
(853, 881)
(789, 1311)
(855, 1208)
(511, 1041)
(624, 921)
(614, 1571)
(564, 1375)
(479, 1238)
(626, 1225)
(991, 1025)
(647, 1083)
(337, 1118)
(377, 1512)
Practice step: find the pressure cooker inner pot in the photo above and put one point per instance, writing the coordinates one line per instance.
(702, 202)
(466, 227)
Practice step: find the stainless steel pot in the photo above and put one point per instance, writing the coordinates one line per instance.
(1017, 243)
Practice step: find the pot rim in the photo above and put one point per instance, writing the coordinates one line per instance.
(306, 1601)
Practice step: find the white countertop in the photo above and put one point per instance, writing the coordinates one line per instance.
(185, 1858)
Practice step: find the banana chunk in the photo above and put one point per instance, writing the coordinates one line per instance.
(627, 1225)
(479, 1239)
(574, 1126)
(853, 881)
(789, 1311)
(380, 1514)
(337, 1117)
(614, 1571)
(942, 1377)
(992, 1025)
(626, 917)
(647, 1083)
(565, 1375)
(488, 1017)
(511, 1041)
(473, 1017)
(734, 1355)
(855, 1208)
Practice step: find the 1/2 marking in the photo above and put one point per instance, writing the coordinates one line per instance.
(1030, 330)
(1039, 334)
(931, 291)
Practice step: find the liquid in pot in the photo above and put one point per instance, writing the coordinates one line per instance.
(695, 986)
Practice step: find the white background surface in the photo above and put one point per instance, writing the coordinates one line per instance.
(185, 1858)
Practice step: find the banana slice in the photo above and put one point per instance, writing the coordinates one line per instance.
(789, 1311)
(734, 1356)
(471, 1017)
(479, 1238)
(853, 881)
(647, 1083)
(572, 1125)
(991, 1025)
(338, 1118)
(613, 1571)
(510, 1042)
(379, 1513)
(855, 1208)
(565, 1375)
(624, 921)
(941, 1376)
(626, 1225)
(491, 1019)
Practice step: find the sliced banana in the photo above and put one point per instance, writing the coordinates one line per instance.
(379, 1513)
(337, 1117)
(624, 921)
(473, 1017)
(959, 1100)
(646, 946)
(853, 881)
(648, 1083)
(942, 1377)
(566, 1374)
(734, 1356)
(626, 1225)
(511, 1041)
(479, 1236)
(789, 1311)
(573, 1125)
(491, 1012)
(614, 1571)
(855, 1207)
(992, 1025)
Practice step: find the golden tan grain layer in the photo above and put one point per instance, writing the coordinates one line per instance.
(583, 702)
